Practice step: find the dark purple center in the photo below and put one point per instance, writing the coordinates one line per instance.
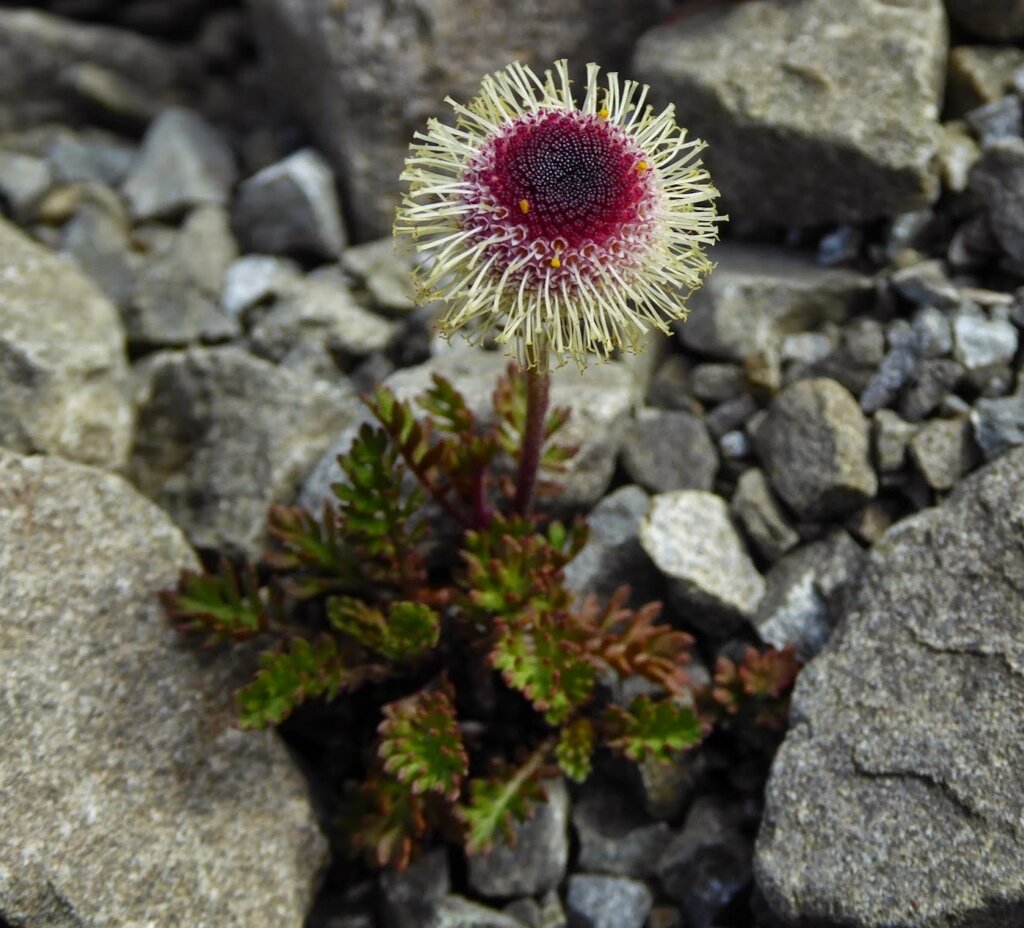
(569, 176)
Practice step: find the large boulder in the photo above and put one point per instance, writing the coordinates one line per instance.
(51, 69)
(126, 795)
(365, 75)
(63, 369)
(897, 797)
(816, 111)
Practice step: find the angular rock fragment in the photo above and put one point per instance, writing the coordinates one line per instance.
(905, 754)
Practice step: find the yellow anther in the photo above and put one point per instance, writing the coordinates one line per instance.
(642, 166)
(603, 112)
(556, 261)
(524, 206)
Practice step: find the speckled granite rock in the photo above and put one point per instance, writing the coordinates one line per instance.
(63, 370)
(898, 795)
(126, 796)
(819, 111)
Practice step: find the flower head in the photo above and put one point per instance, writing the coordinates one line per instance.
(558, 227)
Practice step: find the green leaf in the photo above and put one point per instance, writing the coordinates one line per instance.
(386, 821)
(497, 803)
(305, 543)
(448, 407)
(225, 605)
(409, 630)
(420, 743)
(575, 749)
(657, 729)
(540, 656)
(289, 676)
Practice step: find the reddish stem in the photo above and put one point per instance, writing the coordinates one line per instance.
(538, 388)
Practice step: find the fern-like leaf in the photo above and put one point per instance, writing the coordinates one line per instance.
(387, 822)
(297, 671)
(315, 547)
(652, 728)
(379, 513)
(540, 655)
(226, 605)
(575, 749)
(758, 687)
(420, 743)
(631, 643)
(497, 802)
(409, 629)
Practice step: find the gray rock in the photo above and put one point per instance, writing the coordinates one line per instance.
(805, 347)
(291, 208)
(117, 763)
(805, 594)
(254, 279)
(537, 861)
(24, 181)
(958, 153)
(934, 332)
(933, 381)
(998, 424)
(980, 342)
(716, 383)
(926, 284)
(891, 435)
(813, 445)
(668, 787)
(458, 912)
(614, 837)
(184, 162)
(98, 236)
(998, 181)
(612, 555)
(711, 579)
(1001, 119)
(364, 76)
(109, 97)
(735, 446)
(90, 158)
(898, 368)
(840, 100)
(990, 19)
(63, 372)
(385, 274)
(410, 898)
(841, 246)
(222, 435)
(38, 52)
(175, 301)
(666, 450)
(754, 506)
(670, 385)
(607, 902)
(730, 415)
(708, 863)
(943, 450)
(758, 294)
(319, 316)
(979, 74)
(912, 715)
(600, 402)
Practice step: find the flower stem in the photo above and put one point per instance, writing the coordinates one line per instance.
(537, 393)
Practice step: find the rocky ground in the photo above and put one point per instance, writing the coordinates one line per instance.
(196, 285)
